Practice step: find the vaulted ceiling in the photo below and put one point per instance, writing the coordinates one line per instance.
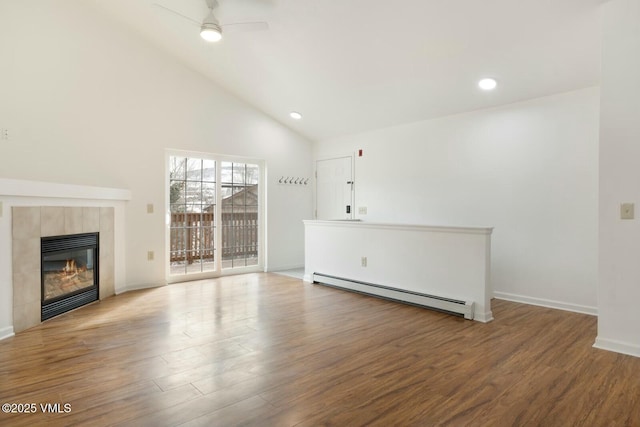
(355, 65)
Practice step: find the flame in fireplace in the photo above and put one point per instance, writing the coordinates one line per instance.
(70, 276)
(71, 268)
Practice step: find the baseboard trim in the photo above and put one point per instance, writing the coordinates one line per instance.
(558, 305)
(140, 287)
(6, 332)
(617, 346)
(272, 269)
(484, 317)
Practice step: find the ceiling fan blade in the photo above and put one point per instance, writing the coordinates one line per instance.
(245, 27)
(166, 9)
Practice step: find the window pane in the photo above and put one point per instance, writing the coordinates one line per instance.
(253, 174)
(226, 171)
(178, 241)
(176, 209)
(227, 191)
(208, 220)
(239, 171)
(252, 197)
(193, 192)
(194, 170)
(193, 209)
(177, 167)
(209, 170)
(176, 191)
(208, 194)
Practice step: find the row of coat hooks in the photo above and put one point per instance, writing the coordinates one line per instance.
(293, 180)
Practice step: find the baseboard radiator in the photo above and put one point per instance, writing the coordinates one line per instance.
(448, 305)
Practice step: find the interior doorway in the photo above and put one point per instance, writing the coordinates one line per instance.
(334, 188)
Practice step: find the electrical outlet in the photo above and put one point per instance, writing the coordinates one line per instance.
(150, 256)
(626, 211)
(362, 210)
(363, 261)
(4, 134)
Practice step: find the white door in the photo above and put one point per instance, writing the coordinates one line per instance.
(334, 188)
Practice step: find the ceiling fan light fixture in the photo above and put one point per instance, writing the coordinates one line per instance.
(487, 84)
(211, 32)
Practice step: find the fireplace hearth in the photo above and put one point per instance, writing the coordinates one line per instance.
(69, 272)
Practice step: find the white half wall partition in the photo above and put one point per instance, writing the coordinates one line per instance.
(446, 262)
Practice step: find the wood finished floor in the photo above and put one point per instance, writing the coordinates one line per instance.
(268, 350)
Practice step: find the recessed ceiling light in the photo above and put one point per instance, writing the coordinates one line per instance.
(295, 115)
(487, 84)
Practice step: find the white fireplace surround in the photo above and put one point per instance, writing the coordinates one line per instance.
(74, 208)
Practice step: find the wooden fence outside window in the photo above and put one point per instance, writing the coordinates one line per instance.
(193, 236)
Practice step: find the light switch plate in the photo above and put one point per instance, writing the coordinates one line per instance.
(626, 211)
(150, 208)
(0, 209)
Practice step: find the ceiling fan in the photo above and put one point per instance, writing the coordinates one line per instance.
(210, 28)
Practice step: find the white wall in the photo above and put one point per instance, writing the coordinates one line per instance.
(88, 102)
(619, 282)
(529, 169)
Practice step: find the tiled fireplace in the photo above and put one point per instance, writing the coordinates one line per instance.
(29, 226)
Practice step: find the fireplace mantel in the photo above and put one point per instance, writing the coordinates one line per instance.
(24, 188)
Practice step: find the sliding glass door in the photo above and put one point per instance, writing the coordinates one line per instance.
(214, 216)
(239, 206)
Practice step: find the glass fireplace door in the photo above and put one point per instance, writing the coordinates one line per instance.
(70, 276)
(67, 272)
